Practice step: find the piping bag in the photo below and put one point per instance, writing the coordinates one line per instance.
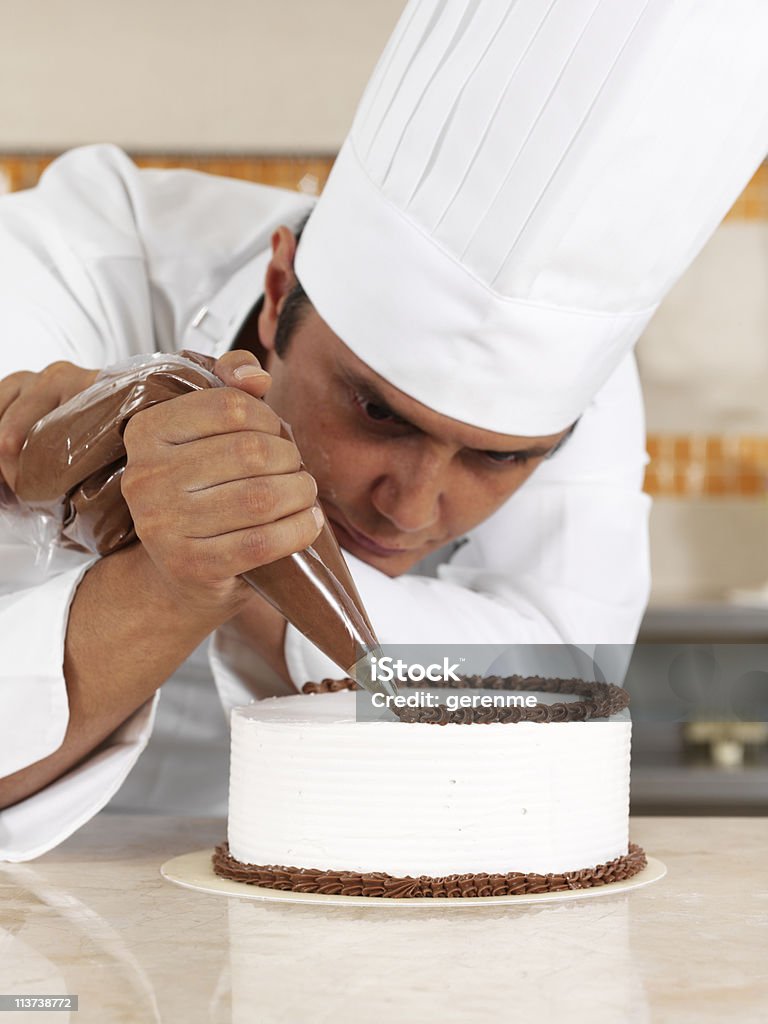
(70, 471)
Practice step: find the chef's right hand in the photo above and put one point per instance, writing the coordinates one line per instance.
(214, 490)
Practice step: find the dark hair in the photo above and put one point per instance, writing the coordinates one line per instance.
(295, 309)
(554, 450)
(297, 305)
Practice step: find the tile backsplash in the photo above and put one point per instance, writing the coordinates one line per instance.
(714, 465)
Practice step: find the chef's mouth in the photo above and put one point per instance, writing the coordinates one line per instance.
(346, 532)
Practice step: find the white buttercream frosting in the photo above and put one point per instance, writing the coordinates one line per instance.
(312, 788)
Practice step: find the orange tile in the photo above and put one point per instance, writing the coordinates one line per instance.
(680, 484)
(695, 476)
(682, 449)
(691, 465)
(714, 485)
(24, 170)
(751, 484)
(752, 204)
(731, 448)
(713, 447)
(749, 448)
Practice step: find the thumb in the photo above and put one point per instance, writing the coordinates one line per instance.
(241, 369)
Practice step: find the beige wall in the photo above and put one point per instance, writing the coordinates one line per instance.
(704, 356)
(708, 549)
(264, 75)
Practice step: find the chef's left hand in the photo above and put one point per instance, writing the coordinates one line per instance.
(26, 397)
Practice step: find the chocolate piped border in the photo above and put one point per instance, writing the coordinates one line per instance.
(378, 883)
(601, 700)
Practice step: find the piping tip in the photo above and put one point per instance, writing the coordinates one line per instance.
(364, 674)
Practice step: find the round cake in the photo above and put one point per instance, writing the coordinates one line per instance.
(474, 802)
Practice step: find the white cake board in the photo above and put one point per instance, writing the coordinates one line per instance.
(195, 871)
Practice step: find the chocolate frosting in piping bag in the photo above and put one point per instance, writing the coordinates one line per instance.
(71, 469)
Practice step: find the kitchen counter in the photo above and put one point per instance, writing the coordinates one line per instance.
(95, 918)
(705, 622)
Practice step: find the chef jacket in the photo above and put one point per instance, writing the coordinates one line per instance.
(103, 261)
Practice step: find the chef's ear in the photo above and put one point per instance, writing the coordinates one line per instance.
(278, 282)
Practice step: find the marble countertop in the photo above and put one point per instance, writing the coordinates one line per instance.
(95, 918)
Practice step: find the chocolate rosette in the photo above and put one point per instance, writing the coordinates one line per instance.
(598, 701)
(381, 885)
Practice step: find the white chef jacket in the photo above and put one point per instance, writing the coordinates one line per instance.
(102, 261)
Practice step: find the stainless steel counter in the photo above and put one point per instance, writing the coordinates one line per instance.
(705, 622)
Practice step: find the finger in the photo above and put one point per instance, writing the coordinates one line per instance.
(232, 554)
(11, 387)
(19, 418)
(245, 503)
(201, 414)
(13, 434)
(42, 393)
(229, 457)
(154, 487)
(213, 461)
(27, 397)
(241, 369)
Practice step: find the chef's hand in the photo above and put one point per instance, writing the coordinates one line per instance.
(214, 490)
(25, 398)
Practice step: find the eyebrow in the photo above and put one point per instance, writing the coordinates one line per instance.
(368, 390)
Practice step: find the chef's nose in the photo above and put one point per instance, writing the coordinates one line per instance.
(409, 495)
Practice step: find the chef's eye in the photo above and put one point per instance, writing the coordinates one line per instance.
(376, 411)
(507, 458)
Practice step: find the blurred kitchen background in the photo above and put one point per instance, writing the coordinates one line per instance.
(266, 91)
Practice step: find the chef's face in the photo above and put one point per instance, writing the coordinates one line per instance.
(396, 479)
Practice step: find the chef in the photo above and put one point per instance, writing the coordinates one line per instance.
(450, 338)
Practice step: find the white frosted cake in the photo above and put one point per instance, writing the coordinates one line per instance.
(322, 802)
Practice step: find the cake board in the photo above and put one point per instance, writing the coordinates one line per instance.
(195, 871)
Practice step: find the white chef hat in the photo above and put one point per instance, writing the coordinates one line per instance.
(523, 182)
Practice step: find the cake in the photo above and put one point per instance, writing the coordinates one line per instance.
(468, 802)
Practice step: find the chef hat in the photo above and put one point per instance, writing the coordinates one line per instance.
(523, 182)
